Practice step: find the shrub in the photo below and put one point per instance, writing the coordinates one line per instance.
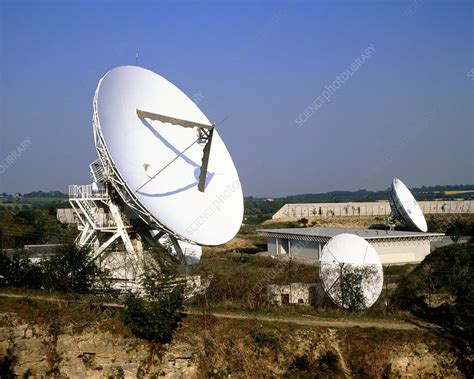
(18, 271)
(159, 310)
(451, 272)
(71, 269)
(300, 363)
(154, 320)
(265, 340)
(327, 366)
(303, 221)
(7, 364)
(329, 362)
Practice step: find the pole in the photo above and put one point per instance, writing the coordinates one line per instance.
(386, 289)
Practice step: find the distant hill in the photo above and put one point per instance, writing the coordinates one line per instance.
(55, 194)
(265, 206)
(262, 206)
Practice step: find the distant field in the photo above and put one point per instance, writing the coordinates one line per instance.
(459, 192)
(28, 202)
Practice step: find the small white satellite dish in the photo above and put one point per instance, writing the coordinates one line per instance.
(351, 272)
(405, 208)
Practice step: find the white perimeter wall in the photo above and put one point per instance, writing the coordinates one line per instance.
(378, 208)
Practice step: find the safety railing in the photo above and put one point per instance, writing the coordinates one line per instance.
(84, 191)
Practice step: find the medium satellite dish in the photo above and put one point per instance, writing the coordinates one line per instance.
(405, 208)
(164, 157)
(351, 272)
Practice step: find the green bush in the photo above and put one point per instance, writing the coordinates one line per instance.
(265, 340)
(300, 363)
(32, 226)
(70, 269)
(158, 310)
(327, 366)
(328, 362)
(448, 272)
(18, 271)
(157, 319)
(303, 221)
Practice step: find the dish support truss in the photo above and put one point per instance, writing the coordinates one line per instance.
(103, 226)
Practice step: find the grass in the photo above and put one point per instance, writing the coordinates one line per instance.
(241, 279)
(258, 348)
(31, 202)
(364, 358)
(307, 313)
(244, 347)
(458, 192)
(60, 296)
(75, 312)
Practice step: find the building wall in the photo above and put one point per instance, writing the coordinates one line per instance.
(378, 208)
(294, 293)
(390, 252)
(271, 245)
(307, 249)
(402, 251)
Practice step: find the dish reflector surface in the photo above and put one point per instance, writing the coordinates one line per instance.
(137, 146)
(406, 206)
(351, 271)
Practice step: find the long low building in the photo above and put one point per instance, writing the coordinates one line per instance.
(393, 246)
(375, 208)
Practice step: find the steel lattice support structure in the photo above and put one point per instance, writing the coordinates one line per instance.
(107, 231)
(101, 225)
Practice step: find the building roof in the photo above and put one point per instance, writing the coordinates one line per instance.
(324, 234)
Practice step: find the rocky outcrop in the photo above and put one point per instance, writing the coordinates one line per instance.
(222, 347)
(42, 351)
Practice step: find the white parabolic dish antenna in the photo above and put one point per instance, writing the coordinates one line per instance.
(351, 272)
(151, 138)
(405, 207)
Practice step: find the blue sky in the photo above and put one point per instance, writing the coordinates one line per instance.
(406, 112)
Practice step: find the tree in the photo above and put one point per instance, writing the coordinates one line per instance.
(159, 310)
(155, 320)
(447, 271)
(71, 269)
(17, 271)
(352, 293)
(303, 221)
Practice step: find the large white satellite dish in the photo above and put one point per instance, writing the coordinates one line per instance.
(351, 272)
(404, 206)
(165, 158)
(163, 177)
